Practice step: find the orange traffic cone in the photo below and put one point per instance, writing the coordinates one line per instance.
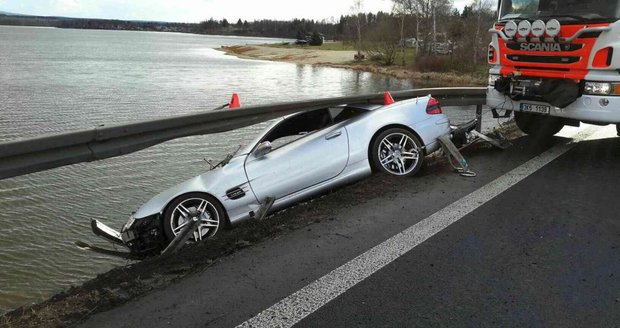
(387, 98)
(234, 101)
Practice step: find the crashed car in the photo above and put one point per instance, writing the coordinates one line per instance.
(298, 156)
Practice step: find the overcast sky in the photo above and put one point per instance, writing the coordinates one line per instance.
(194, 10)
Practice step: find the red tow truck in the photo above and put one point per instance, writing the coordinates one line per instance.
(556, 63)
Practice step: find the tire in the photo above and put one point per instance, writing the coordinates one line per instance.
(396, 151)
(213, 217)
(618, 129)
(537, 125)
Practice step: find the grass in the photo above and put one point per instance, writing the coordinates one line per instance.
(328, 45)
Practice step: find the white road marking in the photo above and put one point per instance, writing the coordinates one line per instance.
(302, 303)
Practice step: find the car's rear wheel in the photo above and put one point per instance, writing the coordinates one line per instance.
(176, 216)
(538, 125)
(397, 151)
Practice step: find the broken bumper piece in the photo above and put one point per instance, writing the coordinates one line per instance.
(142, 237)
(111, 235)
(106, 232)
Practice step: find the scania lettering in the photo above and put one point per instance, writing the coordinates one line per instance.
(556, 63)
(540, 47)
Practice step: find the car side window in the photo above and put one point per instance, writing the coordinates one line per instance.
(298, 126)
(340, 114)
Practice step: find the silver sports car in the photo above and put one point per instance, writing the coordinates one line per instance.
(296, 157)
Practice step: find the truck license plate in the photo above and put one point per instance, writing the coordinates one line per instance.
(541, 109)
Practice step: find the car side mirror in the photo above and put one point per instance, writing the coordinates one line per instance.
(262, 149)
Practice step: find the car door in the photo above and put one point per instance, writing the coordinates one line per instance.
(314, 157)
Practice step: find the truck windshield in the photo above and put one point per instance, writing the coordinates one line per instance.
(562, 10)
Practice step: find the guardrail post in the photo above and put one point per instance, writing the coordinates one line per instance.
(479, 118)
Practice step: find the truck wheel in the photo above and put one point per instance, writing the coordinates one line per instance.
(538, 125)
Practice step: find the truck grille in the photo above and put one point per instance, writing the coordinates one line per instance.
(544, 59)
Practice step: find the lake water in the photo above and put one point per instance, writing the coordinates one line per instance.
(55, 80)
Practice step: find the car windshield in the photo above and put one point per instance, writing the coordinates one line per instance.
(563, 10)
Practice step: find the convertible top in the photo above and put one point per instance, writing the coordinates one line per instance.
(365, 106)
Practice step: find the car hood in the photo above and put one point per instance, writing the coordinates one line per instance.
(214, 182)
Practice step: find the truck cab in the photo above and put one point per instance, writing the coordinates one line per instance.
(556, 63)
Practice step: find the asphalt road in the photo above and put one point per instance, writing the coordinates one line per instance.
(544, 252)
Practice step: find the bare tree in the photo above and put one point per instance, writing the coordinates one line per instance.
(357, 10)
(401, 11)
(382, 42)
(480, 7)
(425, 12)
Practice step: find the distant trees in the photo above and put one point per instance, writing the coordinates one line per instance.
(296, 28)
(109, 24)
(426, 13)
(316, 39)
(301, 35)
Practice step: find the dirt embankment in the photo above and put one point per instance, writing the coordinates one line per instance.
(123, 284)
(344, 59)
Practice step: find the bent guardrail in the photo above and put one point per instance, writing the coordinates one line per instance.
(25, 156)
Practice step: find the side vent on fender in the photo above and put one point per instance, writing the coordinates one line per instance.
(235, 193)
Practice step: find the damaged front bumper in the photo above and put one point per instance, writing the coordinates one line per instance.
(143, 237)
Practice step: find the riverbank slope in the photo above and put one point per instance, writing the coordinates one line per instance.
(344, 59)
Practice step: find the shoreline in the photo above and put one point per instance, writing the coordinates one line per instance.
(344, 59)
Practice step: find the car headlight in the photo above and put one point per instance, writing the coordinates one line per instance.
(601, 88)
(129, 223)
(493, 78)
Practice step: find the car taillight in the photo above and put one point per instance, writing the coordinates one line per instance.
(433, 107)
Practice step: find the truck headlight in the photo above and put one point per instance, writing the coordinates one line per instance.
(129, 223)
(493, 78)
(602, 88)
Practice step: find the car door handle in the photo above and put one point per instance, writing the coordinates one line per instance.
(333, 134)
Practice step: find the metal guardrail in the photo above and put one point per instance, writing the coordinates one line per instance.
(21, 157)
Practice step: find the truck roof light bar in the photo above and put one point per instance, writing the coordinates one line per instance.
(503, 36)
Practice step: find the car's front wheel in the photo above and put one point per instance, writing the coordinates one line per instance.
(211, 213)
(397, 151)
